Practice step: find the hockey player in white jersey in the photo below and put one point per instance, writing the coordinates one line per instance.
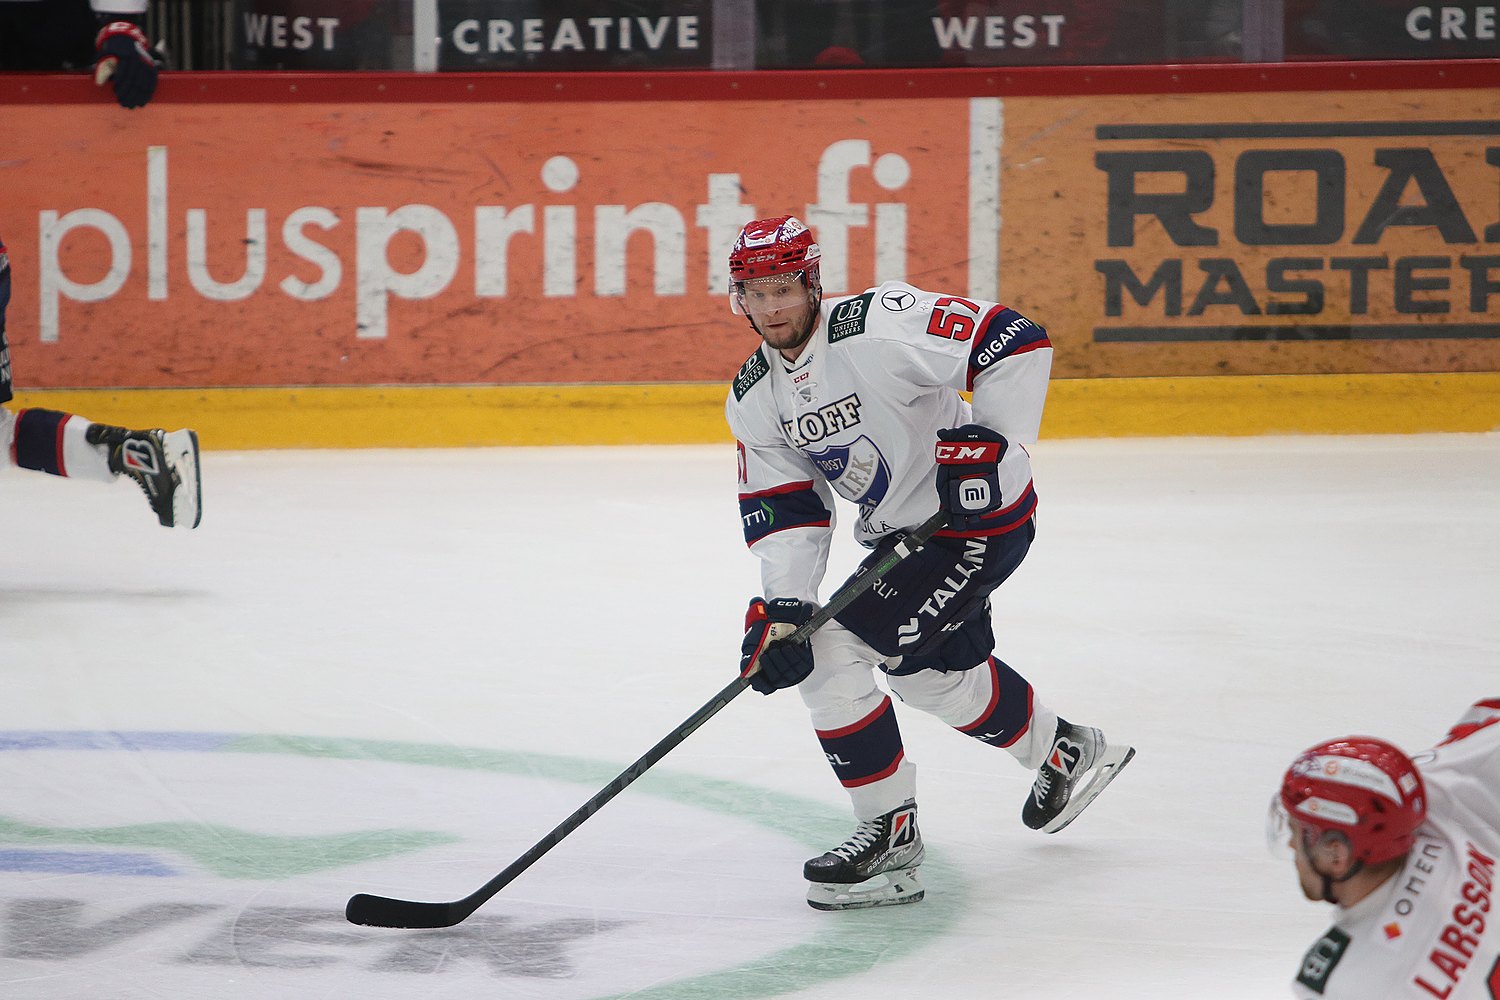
(860, 396)
(1406, 848)
(164, 464)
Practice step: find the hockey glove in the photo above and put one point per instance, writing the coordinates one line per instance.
(765, 657)
(123, 56)
(968, 474)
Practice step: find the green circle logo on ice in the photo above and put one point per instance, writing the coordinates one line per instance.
(218, 864)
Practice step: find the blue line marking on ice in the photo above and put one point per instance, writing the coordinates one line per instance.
(84, 863)
(113, 740)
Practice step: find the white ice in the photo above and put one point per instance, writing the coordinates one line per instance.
(404, 667)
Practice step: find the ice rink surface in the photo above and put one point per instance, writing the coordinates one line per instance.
(395, 671)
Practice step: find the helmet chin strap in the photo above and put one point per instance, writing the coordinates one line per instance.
(1329, 880)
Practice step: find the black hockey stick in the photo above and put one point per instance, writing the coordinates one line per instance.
(382, 911)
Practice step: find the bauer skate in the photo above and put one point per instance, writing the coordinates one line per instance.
(1078, 766)
(876, 866)
(163, 463)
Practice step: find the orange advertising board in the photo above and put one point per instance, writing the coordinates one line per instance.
(1259, 234)
(423, 235)
(441, 244)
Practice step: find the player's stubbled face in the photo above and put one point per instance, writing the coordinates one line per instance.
(782, 310)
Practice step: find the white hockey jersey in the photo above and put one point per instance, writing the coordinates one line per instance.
(858, 415)
(1427, 933)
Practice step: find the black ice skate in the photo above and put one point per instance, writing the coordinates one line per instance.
(1078, 766)
(163, 463)
(876, 866)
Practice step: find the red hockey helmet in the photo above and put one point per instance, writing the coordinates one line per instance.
(782, 245)
(778, 247)
(1360, 787)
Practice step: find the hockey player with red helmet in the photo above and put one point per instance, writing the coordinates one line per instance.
(1406, 848)
(860, 396)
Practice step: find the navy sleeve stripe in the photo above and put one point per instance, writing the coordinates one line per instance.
(796, 505)
(1006, 334)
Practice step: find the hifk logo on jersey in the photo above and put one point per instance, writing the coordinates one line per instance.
(857, 470)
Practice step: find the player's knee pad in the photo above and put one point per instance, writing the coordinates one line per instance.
(955, 697)
(842, 684)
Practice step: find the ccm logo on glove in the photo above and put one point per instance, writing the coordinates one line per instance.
(972, 493)
(968, 476)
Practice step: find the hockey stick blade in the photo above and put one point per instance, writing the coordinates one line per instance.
(1110, 764)
(384, 911)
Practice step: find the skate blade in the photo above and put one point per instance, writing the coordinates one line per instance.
(887, 889)
(181, 448)
(1109, 765)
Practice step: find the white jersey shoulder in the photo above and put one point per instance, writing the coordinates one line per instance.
(1427, 933)
(895, 312)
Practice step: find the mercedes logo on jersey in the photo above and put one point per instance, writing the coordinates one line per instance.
(897, 300)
